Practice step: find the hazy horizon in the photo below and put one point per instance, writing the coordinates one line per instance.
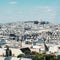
(29, 10)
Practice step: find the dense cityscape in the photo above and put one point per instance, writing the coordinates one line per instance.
(29, 29)
(29, 37)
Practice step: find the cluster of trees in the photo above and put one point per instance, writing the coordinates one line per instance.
(45, 57)
(27, 54)
(42, 22)
(37, 56)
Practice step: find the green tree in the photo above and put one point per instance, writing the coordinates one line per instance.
(58, 57)
(37, 57)
(27, 52)
(44, 57)
(20, 56)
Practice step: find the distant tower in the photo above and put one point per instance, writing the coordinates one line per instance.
(8, 52)
(46, 48)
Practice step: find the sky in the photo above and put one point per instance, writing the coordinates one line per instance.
(29, 10)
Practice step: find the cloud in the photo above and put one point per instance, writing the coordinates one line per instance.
(12, 2)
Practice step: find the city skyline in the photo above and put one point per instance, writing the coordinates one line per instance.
(29, 10)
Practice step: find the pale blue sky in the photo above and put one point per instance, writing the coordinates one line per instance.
(29, 10)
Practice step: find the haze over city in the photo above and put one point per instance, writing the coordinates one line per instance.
(29, 10)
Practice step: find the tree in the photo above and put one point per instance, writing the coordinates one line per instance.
(58, 57)
(37, 57)
(27, 52)
(44, 57)
(20, 56)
